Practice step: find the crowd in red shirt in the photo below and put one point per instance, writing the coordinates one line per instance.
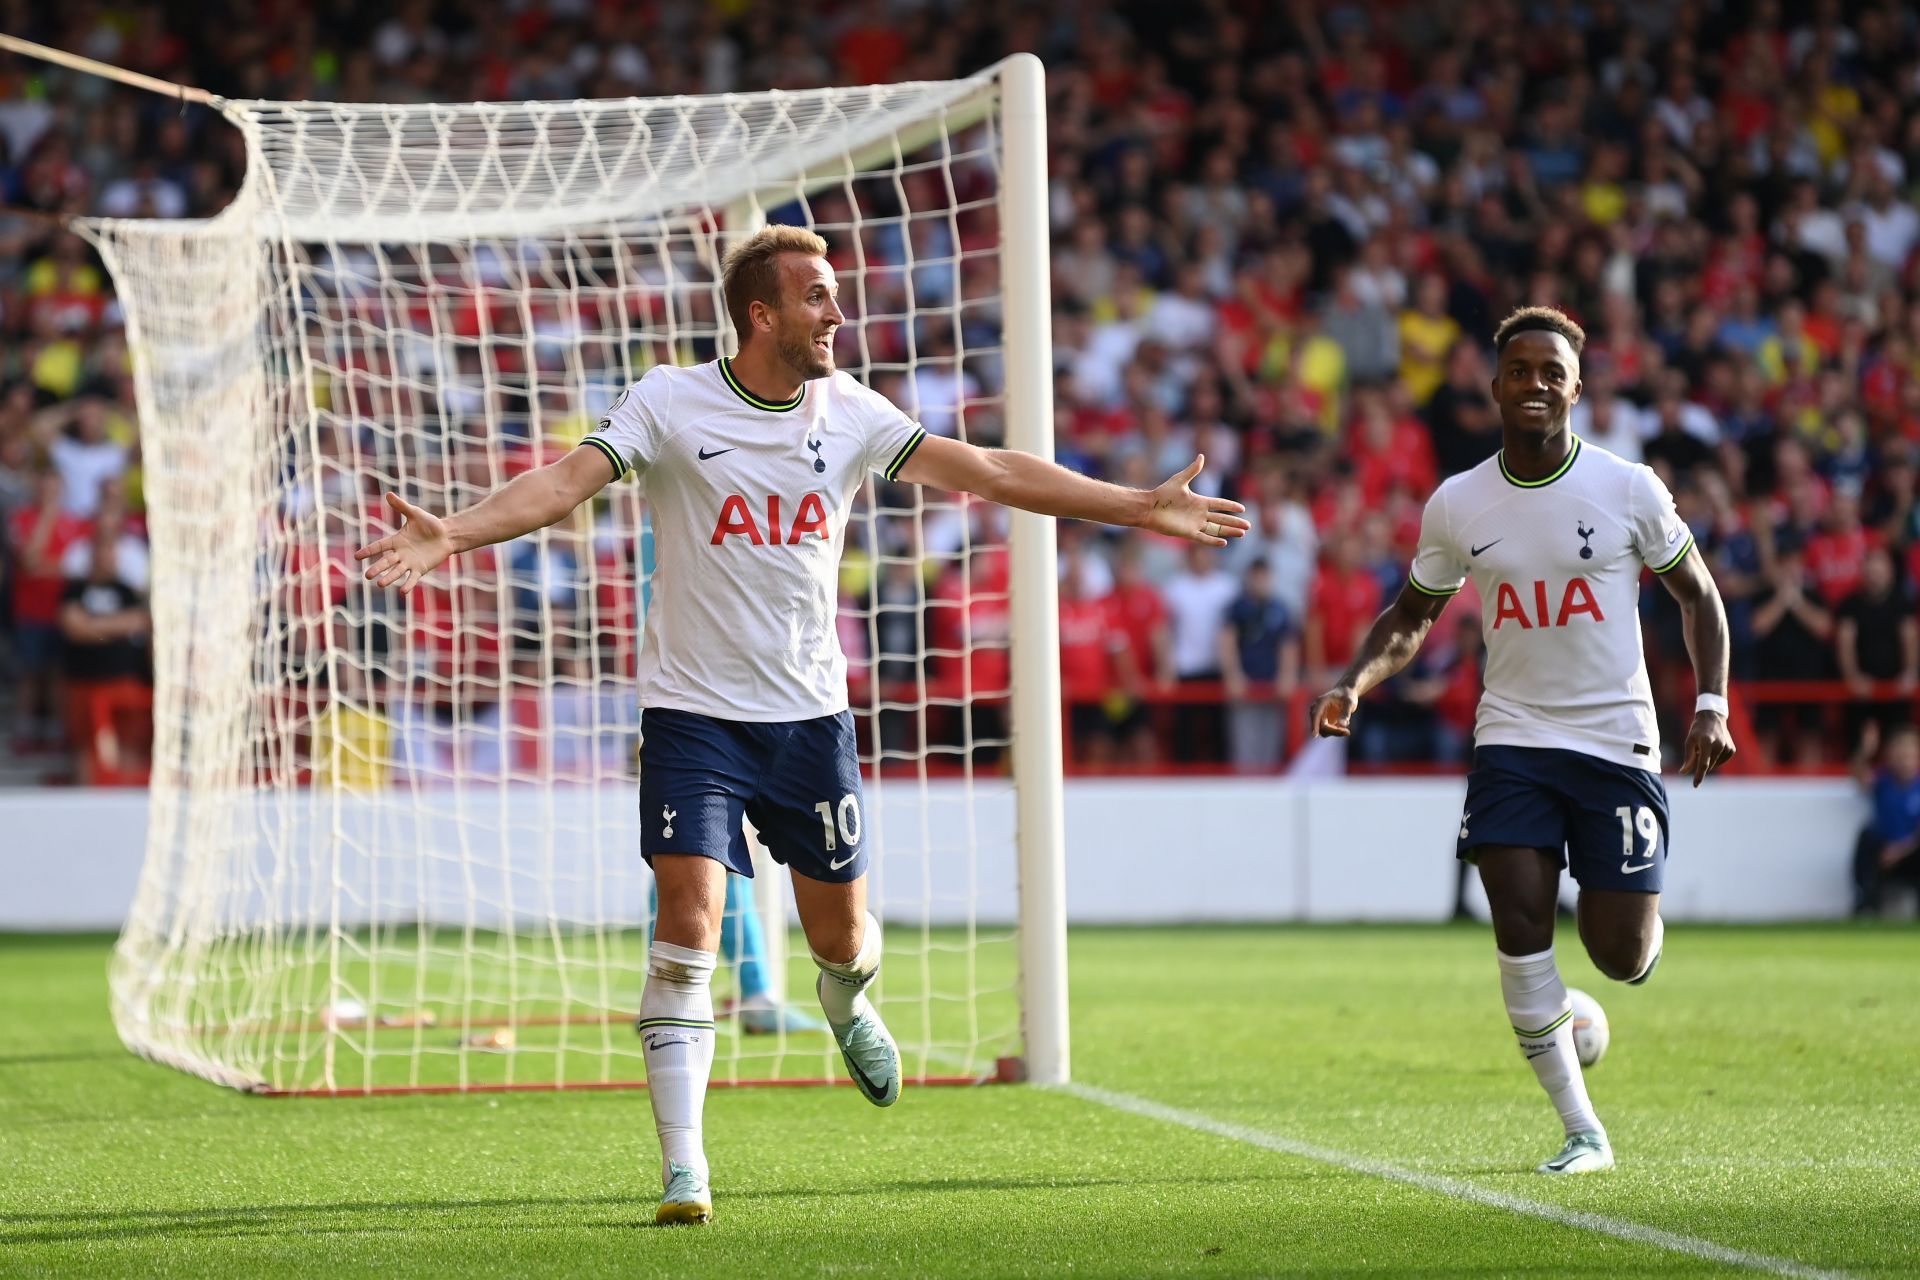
(1283, 234)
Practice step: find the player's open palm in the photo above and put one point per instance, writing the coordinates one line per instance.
(1181, 513)
(410, 552)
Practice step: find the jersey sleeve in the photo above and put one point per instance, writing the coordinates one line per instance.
(891, 435)
(628, 433)
(1438, 568)
(1659, 534)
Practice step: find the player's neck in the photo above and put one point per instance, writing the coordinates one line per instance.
(1531, 457)
(765, 375)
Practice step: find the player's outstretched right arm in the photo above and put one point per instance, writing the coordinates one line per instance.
(532, 500)
(1396, 635)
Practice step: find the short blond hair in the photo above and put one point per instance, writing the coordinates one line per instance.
(750, 272)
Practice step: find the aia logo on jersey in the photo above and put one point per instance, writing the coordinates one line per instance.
(1576, 600)
(737, 519)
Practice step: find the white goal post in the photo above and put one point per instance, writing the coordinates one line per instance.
(394, 843)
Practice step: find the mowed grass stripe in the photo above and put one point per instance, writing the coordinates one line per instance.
(1440, 1184)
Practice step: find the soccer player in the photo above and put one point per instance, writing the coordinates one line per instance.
(751, 465)
(1566, 761)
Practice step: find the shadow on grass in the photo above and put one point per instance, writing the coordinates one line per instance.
(357, 1217)
(49, 1059)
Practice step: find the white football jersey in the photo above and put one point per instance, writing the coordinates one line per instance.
(1557, 562)
(749, 503)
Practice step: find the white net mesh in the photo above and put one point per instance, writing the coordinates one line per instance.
(395, 843)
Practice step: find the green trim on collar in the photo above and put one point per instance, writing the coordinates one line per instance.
(1517, 482)
(769, 406)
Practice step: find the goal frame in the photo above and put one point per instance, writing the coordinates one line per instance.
(1017, 87)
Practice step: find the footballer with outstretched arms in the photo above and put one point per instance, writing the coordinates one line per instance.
(751, 465)
(1566, 766)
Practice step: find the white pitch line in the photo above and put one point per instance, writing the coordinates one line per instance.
(1458, 1188)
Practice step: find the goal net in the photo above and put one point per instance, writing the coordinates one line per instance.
(394, 843)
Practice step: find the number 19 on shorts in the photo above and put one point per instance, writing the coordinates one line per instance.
(1637, 821)
(847, 817)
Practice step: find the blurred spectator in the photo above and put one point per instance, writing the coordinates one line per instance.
(1792, 641)
(1260, 662)
(1877, 639)
(1344, 603)
(1426, 334)
(1138, 612)
(39, 537)
(1198, 598)
(1089, 644)
(1885, 852)
(104, 629)
(77, 438)
(1364, 331)
(1461, 414)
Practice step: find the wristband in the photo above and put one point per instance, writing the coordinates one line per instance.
(1710, 702)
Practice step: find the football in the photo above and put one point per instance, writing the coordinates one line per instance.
(1590, 1033)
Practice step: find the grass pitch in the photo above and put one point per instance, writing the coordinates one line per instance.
(1761, 1093)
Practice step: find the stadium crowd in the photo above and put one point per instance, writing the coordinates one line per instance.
(1283, 234)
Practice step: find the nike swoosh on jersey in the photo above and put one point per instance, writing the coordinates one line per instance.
(835, 866)
(704, 455)
(1496, 542)
(1627, 868)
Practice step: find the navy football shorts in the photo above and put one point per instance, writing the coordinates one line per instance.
(1606, 822)
(798, 781)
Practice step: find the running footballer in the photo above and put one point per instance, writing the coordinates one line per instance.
(1555, 534)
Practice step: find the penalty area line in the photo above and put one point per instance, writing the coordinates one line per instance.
(1441, 1184)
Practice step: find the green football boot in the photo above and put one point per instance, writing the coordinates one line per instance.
(686, 1201)
(1584, 1153)
(871, 1056)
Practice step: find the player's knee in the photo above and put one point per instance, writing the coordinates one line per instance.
(1621, 955)
(834, 942)
(1521, 929)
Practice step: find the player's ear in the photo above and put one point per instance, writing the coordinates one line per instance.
(1573, 397)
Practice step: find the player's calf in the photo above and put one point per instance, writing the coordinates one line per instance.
(1541, 1013)
(677, 1040)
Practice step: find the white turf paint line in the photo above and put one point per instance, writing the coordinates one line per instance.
(1458, 1188)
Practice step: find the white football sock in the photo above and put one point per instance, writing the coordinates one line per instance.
(843, 994)
(676, 1033)
(1542, 1019)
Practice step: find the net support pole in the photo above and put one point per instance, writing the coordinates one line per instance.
(1034, 588)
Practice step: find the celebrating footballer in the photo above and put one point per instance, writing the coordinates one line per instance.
(751, 465)
(1555, 534)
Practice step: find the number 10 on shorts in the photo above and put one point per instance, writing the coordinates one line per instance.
(849, 820)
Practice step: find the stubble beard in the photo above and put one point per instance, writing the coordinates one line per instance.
(800, 356)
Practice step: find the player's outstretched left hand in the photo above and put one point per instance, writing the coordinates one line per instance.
(1179, 511)
(1709, 745)
(410, 553)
